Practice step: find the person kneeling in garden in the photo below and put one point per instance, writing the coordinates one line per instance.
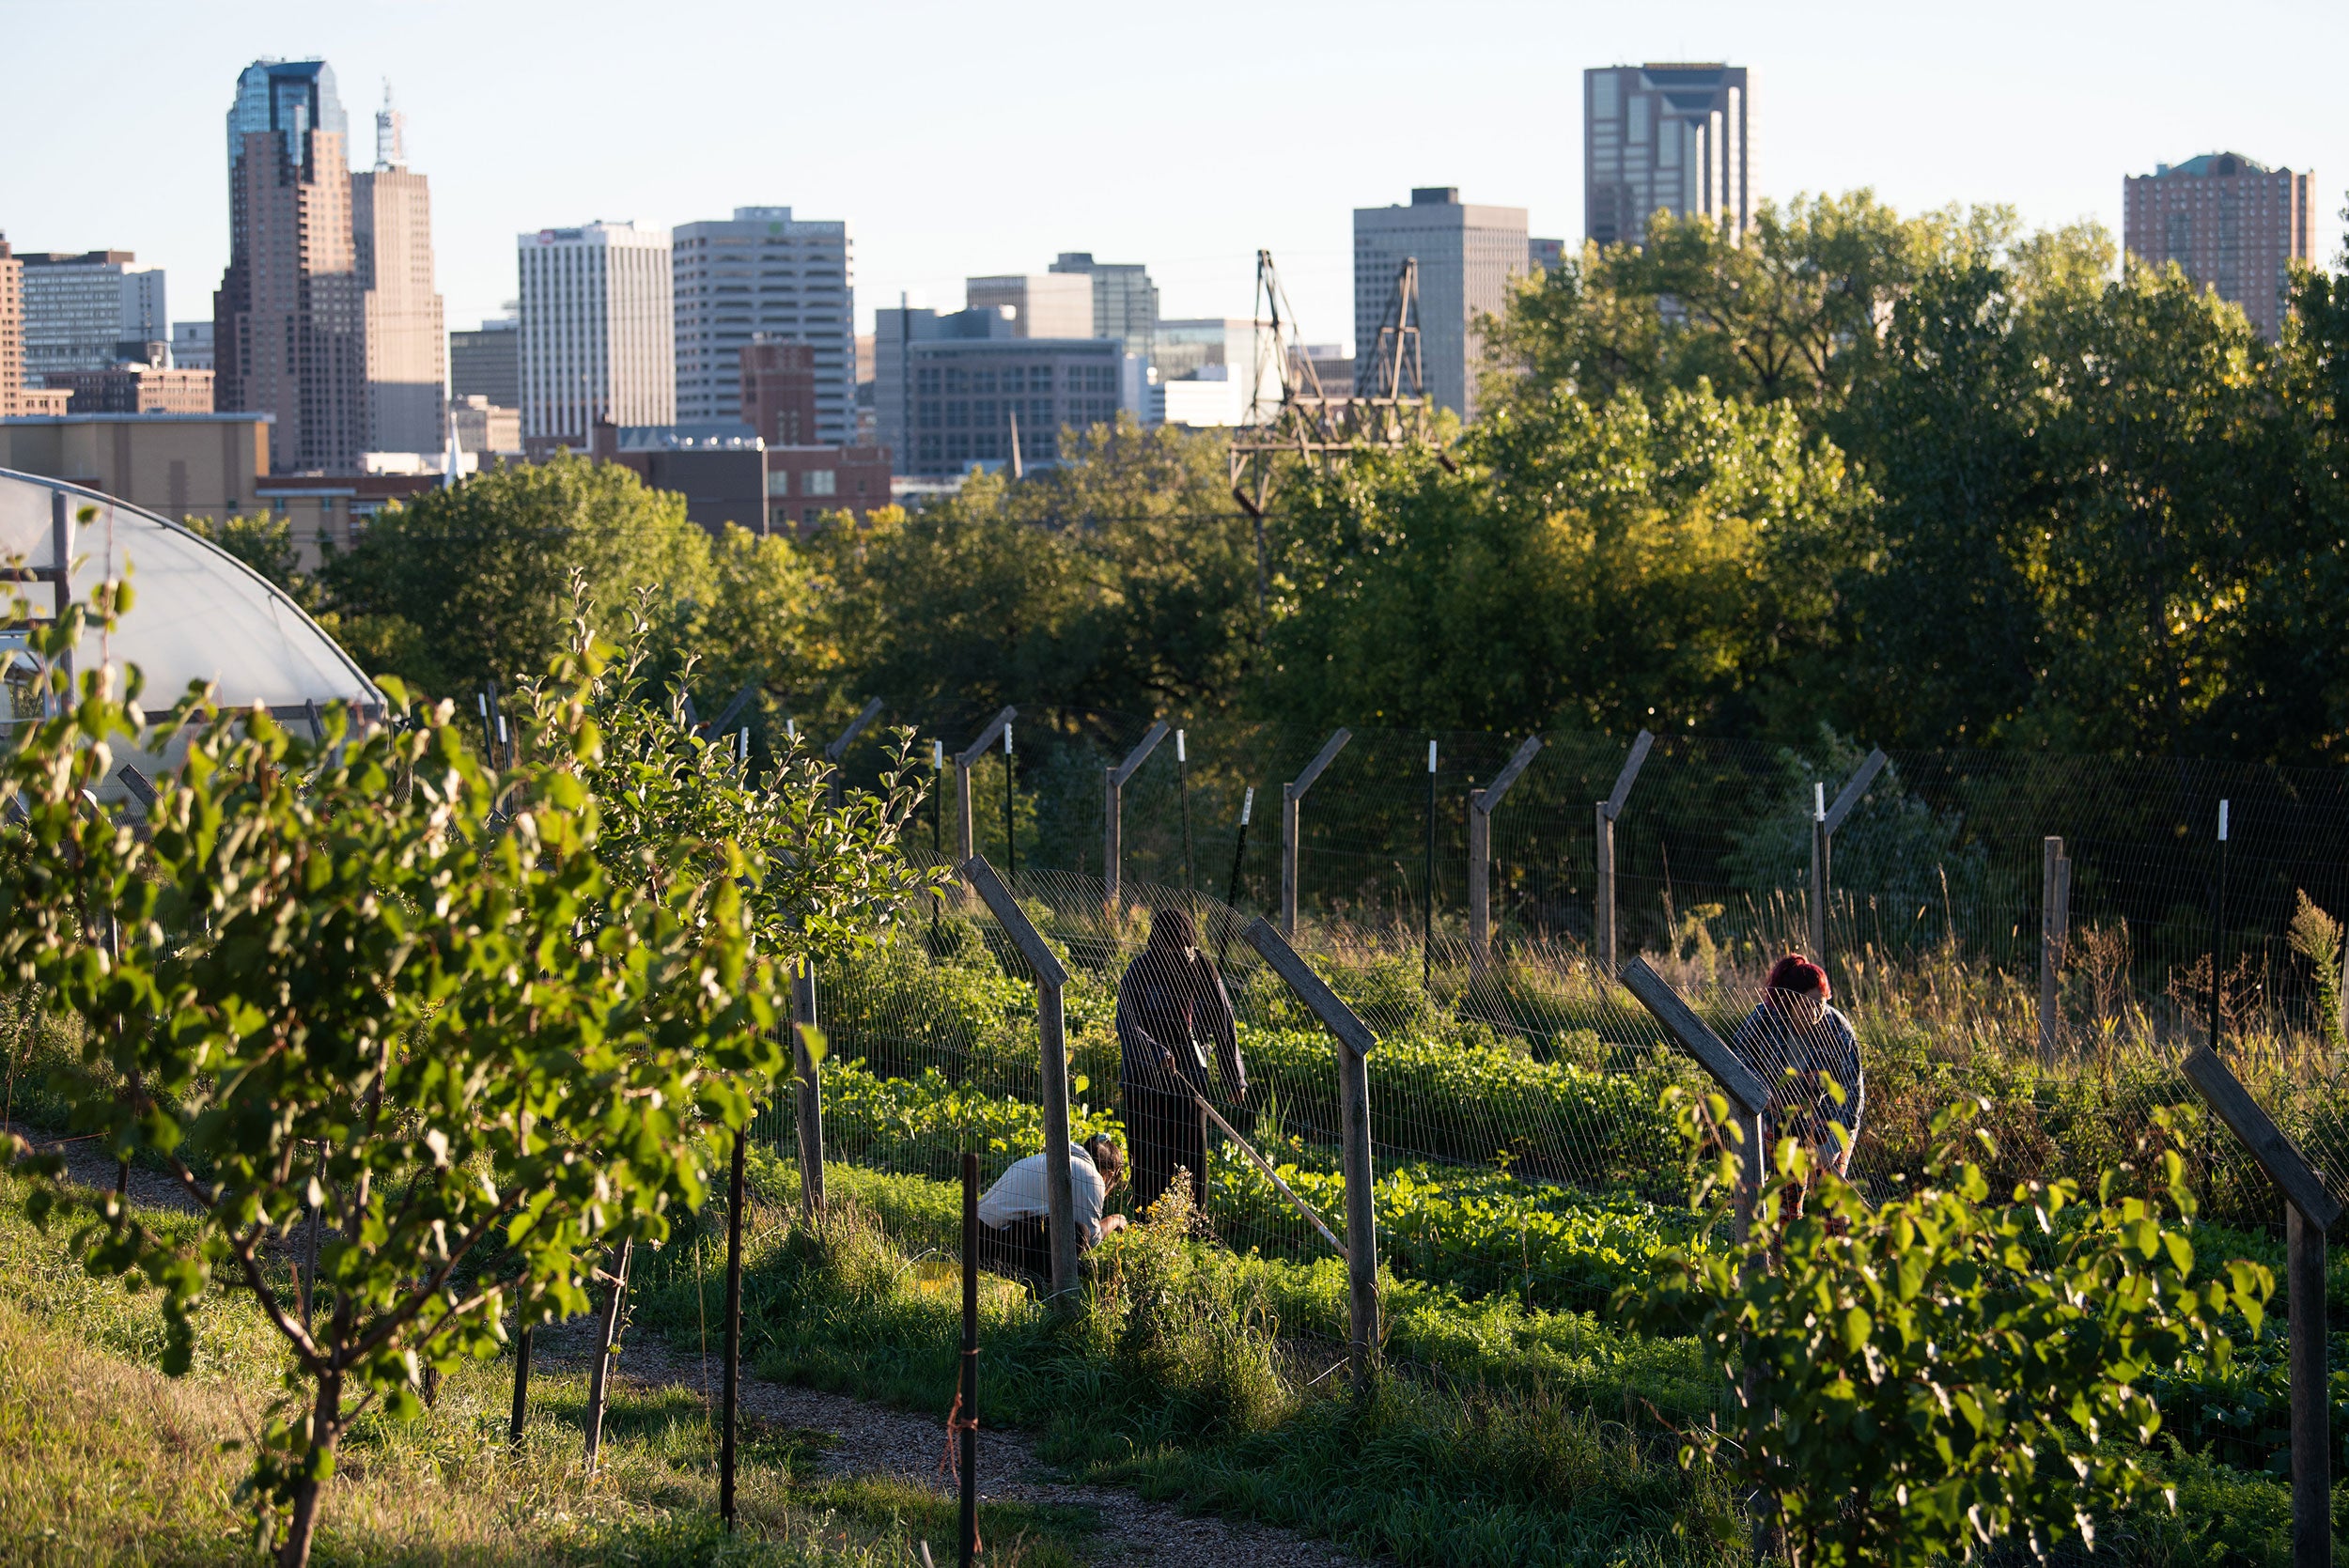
(1015, 1234)
(1807, 1054)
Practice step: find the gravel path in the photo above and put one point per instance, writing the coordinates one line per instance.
(870, 1440)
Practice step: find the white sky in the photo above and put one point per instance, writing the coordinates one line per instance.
(960, 139)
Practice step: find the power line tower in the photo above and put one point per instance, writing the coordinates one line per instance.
(1323, 427)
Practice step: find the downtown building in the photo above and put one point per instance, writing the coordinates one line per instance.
(2230, 225)
(764, 276)
(11, 331)
(1125, 301)
(288, 320)
(407, 353)
(1467, 257)
(969, 389)
(596, 339)
(1675, 138)
(91, 310)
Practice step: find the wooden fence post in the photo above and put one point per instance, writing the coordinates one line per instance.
(1480, 825)
(808, 1091)
(1355, 1043)
(966, 841)
(1291, 793)
(2055, 914)
(839, 746)
(1113, 813)
(1825, 819)
(1603, 853)
(1053, 1041)
(2309, 1211)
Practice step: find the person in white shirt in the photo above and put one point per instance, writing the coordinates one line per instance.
(1015, 1238)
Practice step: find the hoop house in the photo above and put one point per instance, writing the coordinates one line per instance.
(201, 614)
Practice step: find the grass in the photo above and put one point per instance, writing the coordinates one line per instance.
(1199, 1375)
(104, 1460)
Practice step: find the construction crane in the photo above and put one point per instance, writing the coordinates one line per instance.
(1324, 427)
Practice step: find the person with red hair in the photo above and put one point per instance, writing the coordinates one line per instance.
(1807, 1052)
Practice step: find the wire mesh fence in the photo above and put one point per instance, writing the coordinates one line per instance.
(1520, 1144)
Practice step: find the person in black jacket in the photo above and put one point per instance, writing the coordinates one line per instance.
(1171, 1012)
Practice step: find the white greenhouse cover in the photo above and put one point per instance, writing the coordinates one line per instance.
(199, 614)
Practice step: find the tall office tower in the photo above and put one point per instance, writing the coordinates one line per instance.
(1677, 138)
(11, 331)
(90, 311)
(1467, 255)
(2230, 224)
(1125, 301)
(288, 320)
(391, 226)
(487, 362)
(191, 345)
(597, 334)
(764, 274)
(1042, 305)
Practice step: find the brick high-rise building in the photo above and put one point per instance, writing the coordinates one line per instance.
(2230, 224)
(598, 333)
(11, 331)
(1467, 257)
(391, 217)
(1672, 137)
(779, 393)
(288, 320)
(764, 274)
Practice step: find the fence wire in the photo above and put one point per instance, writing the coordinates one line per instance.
(1518, 1136)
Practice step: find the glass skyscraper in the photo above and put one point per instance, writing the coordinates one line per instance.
(292, 98)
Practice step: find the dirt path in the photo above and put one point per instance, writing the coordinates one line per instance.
(870, 1440)
(86, 1162)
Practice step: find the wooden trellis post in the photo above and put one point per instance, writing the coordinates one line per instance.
(965, 842)
(2309, 1211)
(1291, 793)
(1052, 1024)
(1825, 819)
(1481, 805)
(2054, 919)
(1603, 853)
(1355, 1043)
(1113, 812)
(846, 738)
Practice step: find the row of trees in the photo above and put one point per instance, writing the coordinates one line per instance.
(1934, 479)
(468, 1022)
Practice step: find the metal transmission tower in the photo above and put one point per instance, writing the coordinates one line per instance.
(1314, 423)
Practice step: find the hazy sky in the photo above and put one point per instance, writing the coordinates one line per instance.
(981, 138)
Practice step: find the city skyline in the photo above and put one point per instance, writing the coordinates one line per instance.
(1969, 118)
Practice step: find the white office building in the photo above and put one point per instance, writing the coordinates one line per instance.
(90, 311)
(1666, 137)
(763, 275)
(1042, 305)
(1467, 257)
(597, 330)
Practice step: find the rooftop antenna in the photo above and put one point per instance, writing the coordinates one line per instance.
(391, 133)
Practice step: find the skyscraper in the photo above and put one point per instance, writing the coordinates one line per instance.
(1669, 136)
(407, 354)
(289, 319)
(1125, 301)
(487, 362)
(598, 332)
(764, 275)
(1467, 255)
(11, 333)
(90, 311)
(2230, 224)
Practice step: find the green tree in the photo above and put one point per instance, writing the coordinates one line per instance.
(1636, 563)
(469, 584)
(1943, 1372)
(1787, 312)
(368, 977)
(1123, 579)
